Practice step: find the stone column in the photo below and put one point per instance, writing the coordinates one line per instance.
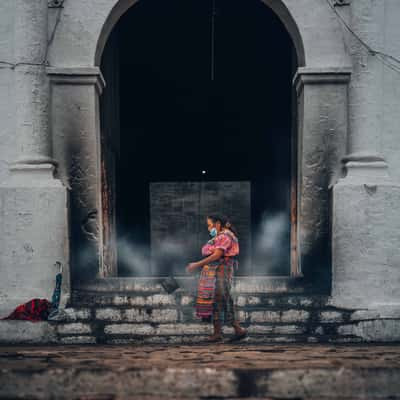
(365, 92)
(33, 205)
(322, 125)
(365, 203)
(31, 86)
(76, 135)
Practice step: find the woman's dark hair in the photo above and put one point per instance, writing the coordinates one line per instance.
(224, 221)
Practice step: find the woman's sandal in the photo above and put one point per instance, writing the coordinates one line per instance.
(235, 338)
(213, 339)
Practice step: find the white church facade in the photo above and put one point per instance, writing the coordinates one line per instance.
(59, 106)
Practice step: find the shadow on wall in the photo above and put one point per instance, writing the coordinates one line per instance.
(316, 265)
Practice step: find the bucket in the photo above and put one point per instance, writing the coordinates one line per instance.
(170, 284)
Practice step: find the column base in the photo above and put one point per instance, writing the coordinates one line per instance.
(34, 235)
(365, 237)
(366, 167)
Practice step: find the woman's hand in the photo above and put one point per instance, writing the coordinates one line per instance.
(216, 255)
(191, 267)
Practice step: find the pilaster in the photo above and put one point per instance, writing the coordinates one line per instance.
(365, 202)
(76, 136)
(322, 132)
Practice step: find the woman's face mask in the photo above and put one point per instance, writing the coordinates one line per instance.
(213, 232)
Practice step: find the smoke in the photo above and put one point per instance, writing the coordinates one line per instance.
(164, 258)
(134, 258)
(270, 255)
(271, 243)
(270, 251)
(168, 258)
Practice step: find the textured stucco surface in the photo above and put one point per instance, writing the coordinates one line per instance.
(366, 244)
(33, 205)
(7, 94)
(76, 147)
(33, 238)
(333, 120)
(83, 27)
(391, 90)
(323, 134)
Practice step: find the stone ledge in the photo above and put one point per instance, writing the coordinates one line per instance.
(27, 332)
(137, 315)
(269, 328)
(242, 284)
(74, 328)
(275, 316)
(201, 339)
(72, 314)
(331, 316)
(385, 330)
(150, 330)
(78, 340)
(196, 329)
(383, 313)
(254, 300)
(119, 299)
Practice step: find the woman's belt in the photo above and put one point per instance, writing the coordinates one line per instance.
(231, 261)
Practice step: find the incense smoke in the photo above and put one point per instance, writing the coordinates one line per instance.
(272, 243)
(270, 251)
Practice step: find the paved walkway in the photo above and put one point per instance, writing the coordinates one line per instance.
(215, 356)
(289, 371)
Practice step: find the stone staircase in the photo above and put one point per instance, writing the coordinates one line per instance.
(274, 310)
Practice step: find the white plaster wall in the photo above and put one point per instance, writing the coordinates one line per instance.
(381, 132)
(391, 89)
(83, 23)
(321, 32)
(7, 98)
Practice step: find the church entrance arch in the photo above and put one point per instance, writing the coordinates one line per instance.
(318, 119)
(198, 116)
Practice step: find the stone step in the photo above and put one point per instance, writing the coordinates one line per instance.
(92, 332)
(177, 325)
(175, 321)
(201, 339)
(182, 298)
(241, 284)
(125, 310)
(361, 327)
(187, 315)
(103, 331)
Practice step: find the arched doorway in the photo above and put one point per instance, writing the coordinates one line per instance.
(199, 93)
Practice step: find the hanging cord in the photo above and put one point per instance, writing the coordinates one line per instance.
(49, 42)
(383, 57)
(213, 14)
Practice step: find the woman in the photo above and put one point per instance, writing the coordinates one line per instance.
(214, 298)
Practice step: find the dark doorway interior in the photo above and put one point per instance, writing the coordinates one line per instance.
(181, 115)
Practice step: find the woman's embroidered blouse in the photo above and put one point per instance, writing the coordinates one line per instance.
(226, 241)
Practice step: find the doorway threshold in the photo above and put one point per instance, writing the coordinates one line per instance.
(241, 284)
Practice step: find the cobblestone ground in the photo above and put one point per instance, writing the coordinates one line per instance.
(203, 371)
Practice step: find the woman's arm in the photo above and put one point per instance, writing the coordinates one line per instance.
(217, 254)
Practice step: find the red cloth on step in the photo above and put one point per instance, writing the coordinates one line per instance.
(34, 310)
